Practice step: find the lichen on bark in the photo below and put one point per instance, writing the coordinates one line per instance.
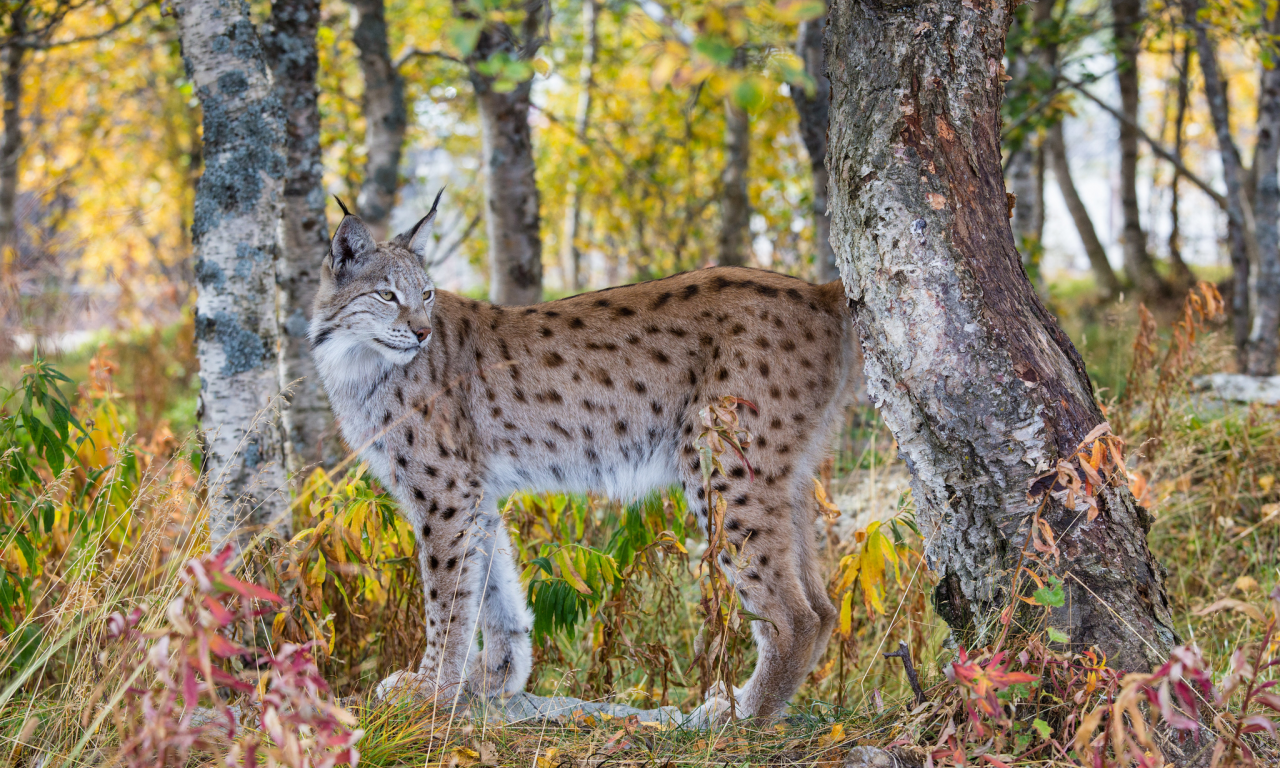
(235, 230)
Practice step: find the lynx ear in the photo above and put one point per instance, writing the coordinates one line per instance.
(352, 242)
(416, 237)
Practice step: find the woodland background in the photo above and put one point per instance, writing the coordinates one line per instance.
(664, 137)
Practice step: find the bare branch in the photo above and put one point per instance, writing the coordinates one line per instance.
(126, 21)
(1156, 149)
(411, 52)
(452, 249)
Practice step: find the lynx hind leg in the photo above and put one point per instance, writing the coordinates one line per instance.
(769, 577)
(502, 668)
(815, 589)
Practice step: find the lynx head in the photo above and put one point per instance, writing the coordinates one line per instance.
(375, 299)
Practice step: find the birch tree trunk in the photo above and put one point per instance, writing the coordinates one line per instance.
(385, 117)
(980, 387)
(735, 204)
(1138, 264)
(1215, 92)
(572, 255)
(512, 217)
(289, 43)
(1264, 336)
(813, 113)
(1105, 276)
(235, 234)
(11, 141)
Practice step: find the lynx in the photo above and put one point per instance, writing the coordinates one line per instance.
(456, 403)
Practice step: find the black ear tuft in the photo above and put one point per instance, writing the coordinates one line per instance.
(342, 205)
(416, 237)
(352, 242)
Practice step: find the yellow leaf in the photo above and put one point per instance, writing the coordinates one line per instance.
(829, 511)
(570, 574)
(548, 760)
(835, 737)
(846, 615)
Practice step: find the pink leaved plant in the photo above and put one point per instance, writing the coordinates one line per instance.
(300, 725)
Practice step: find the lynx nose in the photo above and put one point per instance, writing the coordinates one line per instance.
(422, 333)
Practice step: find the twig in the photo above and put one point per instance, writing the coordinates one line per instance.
(97, 35)
(1156, 148)
(412, 52)
(905, 654)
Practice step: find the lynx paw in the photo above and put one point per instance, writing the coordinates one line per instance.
(717, 710)
(416, 685)
(497, 674)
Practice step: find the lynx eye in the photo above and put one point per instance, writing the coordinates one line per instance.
(428, 295)
(387, 296)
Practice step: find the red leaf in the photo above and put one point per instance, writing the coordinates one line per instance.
(247, 589)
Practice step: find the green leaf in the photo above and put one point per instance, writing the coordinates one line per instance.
(1042, 728)
(1051, 595)
(464, 35)
(1058, 637)
(749, 94)
(28, 550)
(715, 48)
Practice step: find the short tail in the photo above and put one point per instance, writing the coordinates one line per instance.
(836, 301)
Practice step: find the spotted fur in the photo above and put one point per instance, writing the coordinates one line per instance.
(455, 403)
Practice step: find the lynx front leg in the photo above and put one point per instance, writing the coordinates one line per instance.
(503, 666)
(451, 567)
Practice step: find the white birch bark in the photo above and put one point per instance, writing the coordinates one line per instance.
(289, 42)
(236, 235)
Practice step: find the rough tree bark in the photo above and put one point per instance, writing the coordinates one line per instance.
(235, 233)
(813, 113)
(385, 116)
(1264, 336)
(1215, 92)
(735, 204)
(11, 58)
(981, 388)
(510, 182)
(1105, 276)
(1138, 264)
(572, 256)
(289, 43)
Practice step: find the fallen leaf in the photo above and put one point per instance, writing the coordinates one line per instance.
(1246, 584)
(1227, 604)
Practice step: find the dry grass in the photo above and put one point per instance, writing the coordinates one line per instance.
(125, 516)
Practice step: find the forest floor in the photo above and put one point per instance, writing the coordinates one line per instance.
(111, 531)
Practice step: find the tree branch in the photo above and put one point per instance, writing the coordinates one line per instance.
(1158, 150)
(452, 249)
(126, 21)
(412, 52)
